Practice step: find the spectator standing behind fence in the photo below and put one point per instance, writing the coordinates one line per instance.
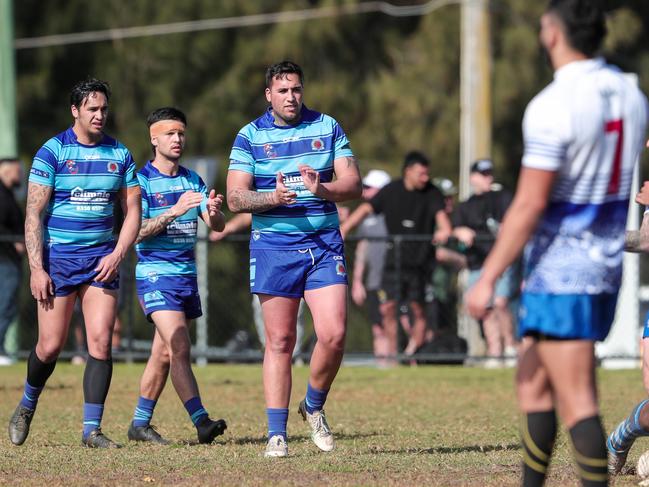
(411, 206)
(11, 252)
(476, 222)
(369, 260)
(442, 294)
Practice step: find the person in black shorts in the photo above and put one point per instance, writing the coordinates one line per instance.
(411, 206)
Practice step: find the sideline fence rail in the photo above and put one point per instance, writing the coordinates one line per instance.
(231, 334)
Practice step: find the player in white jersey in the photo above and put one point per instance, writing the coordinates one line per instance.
(582, 136)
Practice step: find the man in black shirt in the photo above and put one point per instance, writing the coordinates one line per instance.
(476, 222)
(411, 206)
(11, 252)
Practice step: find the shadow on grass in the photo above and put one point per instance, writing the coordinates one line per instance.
(245, 440)
(52, 387)
(446, 450)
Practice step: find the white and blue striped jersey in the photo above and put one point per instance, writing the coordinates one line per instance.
(167, 260)
(263, 149)
(85, 181)
(588, 126)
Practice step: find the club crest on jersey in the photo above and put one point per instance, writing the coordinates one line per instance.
(256, 235)
(160, 199)
(72, 166)
(340, 268)
(270, 151)
(112, 167)
(317, 144)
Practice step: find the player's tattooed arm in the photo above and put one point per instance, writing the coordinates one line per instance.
(638, 240)
(153, 226)
(37, 198)
(40, 284)
(242, 198)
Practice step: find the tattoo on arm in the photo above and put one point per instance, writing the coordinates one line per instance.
(632, 241)
(37, 198)
(351, 161)
(153, 226)
(638, 240)
(245, 200)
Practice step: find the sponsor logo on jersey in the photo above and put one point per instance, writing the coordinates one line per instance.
(317, 144)
(91, 157)
(270, 151)
(176, 228)
(152, 276)
(80, 195)
(112, 167)
(296, 183)
(39, 172)
(256, 235)
(72, 166)
(160, 199)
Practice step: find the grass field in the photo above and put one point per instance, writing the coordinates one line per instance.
(407, 426)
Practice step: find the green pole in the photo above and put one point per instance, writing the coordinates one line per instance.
(8, 142)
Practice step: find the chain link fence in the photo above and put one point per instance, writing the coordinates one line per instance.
(228, 332)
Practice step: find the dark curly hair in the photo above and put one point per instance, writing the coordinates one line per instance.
(82, 89)
(280, 70)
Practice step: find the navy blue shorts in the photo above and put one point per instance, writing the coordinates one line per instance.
(68, 275)
(186, 300)
(291, 272)
(567, 316)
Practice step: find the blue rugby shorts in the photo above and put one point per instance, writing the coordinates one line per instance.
(186, 300)
(567, 316)
(291, 272)
(69, 274)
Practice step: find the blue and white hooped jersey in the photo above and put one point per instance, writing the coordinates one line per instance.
(588, 126)
(85, 181)
(263, 149)
(166, 260)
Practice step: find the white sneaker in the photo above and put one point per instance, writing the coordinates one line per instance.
(276, 447)
(493, 363)
(320, 432)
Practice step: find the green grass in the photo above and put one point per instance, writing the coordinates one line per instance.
(406, 426)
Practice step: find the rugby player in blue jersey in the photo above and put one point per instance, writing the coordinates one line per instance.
(75, 179)
(282, 169)
(173, 199)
